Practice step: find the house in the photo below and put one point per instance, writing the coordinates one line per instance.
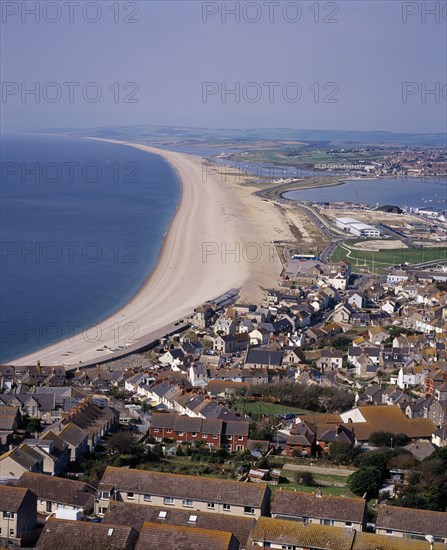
(198, 375)
(420, 449)
(19, 460)
(57, 493)
(9, 421)
(183, 492)
(204, 316)
(330, 360)
(438, 412)
(136, 515)
(159, 535)
(320, 509)
(376, 335)
(329, 434)
(55, 452)
(57, 532)
(76, 438)
(411, 523)
(302, 440)
(259, 337)
(342, 313)
(224, 326)
(263, 358)
(231, 343)
(356, 299)
(293, 355)
(17, 513)
(439, 437)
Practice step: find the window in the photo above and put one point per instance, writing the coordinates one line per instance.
(215, 436)
(147, 498)
(168, 430)
(48, 506)
(348, 523)
(194, 434)
(241, 437)
(130, 496)
(162, 514)
(105, 494)
(249, 510)
(192, 519)
(239, 447)
(187, 502)
(226, 507)
(156, 430)
(110, 532)
(102, 511)
(210, 505)
(8, 515)
(204, 435)
(180, 434)
(229, 437)
(11, 532)
(168, 500)
(326, 522)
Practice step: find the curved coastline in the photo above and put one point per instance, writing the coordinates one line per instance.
(210, 212)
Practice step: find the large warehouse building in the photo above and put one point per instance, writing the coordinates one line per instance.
(357, 228)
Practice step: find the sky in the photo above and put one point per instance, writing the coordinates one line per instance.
(342, 65)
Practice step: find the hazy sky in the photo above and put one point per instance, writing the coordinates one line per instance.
(312, 65)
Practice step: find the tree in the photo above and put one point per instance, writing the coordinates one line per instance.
(343, 453)
(34, 425)
(381, 439)
(366, 481)
(305, 478)
(122, 443)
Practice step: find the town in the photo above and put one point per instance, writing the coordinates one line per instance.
(314, 419)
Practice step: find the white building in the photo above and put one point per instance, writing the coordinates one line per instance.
(357, 228)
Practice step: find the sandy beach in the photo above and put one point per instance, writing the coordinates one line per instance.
(220, 238)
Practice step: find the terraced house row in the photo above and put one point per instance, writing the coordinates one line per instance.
(228, 434)
(141, 509)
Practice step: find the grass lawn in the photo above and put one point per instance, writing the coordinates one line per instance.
(335, 490)
(270, 409)
(383, 259)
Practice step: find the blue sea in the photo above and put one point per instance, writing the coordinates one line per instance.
(82, 224)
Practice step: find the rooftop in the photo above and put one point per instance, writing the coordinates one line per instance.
(183, 486)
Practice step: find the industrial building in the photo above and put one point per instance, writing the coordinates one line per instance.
(358, 228)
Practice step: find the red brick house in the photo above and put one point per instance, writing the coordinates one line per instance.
(302, 440)
(228, 434)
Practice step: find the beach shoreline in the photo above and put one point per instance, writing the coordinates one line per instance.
(198, 261)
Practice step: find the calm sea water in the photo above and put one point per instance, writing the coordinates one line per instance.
(400, 191)
(82, 223)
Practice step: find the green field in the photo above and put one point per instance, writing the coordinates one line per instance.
(270, 409)
(335, 490)
(380, 261)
